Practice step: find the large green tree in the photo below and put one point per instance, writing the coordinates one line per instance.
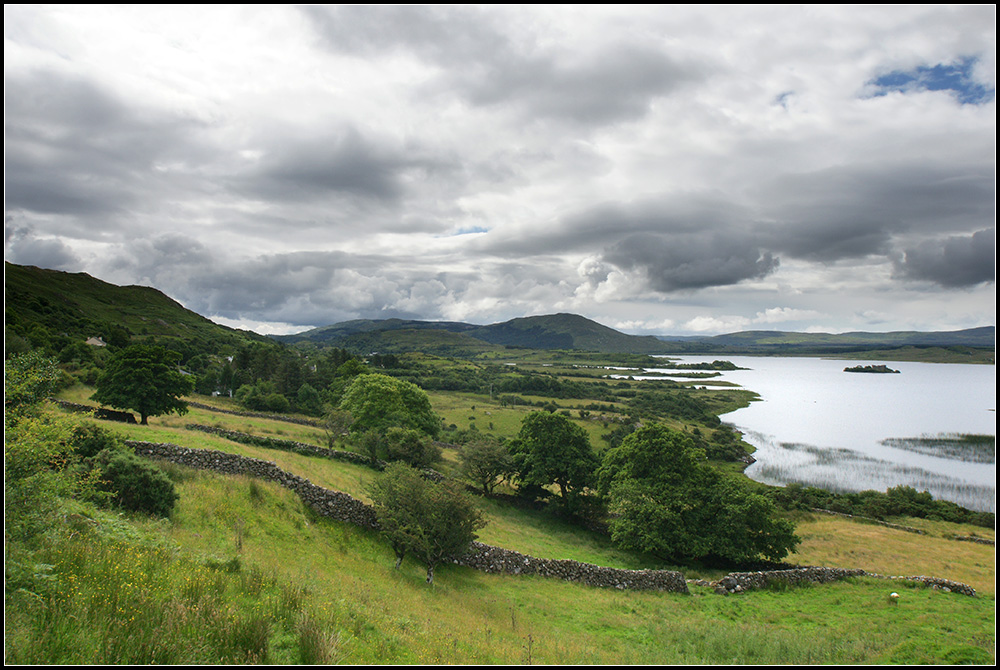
(664, 499)
(431, 520)
(551, 449)
(379, 402)
(144, 378)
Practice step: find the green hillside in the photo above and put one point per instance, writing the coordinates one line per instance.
(555, 331)
(566, 331)
(52, 309)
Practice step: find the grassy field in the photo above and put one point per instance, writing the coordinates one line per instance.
(243, 572)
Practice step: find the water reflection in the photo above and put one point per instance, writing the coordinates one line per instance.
(819, 426)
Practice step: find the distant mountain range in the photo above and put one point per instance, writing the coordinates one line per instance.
(63, 304)
(571, 331)
(555, 331)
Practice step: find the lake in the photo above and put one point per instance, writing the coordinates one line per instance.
(820, 426)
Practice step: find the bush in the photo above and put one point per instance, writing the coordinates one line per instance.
(411, 447)
(89, 439)
(430, 520)
(136, 484)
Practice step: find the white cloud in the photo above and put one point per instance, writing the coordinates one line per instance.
(668, 165)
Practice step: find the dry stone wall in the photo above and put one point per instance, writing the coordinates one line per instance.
(303, 448)
(258, 415)
(342, 507)
(504, 561)
(97, 412)
(738, 582)
(287, 445)
(332, 504)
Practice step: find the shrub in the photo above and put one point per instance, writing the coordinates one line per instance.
(136, 484)
(411, 447)
(89, 439)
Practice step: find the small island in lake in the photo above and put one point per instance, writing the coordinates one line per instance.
(878, 369)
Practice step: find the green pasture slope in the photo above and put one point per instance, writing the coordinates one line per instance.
(243, 573)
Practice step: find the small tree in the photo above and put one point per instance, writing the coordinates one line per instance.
(144, 378)
(335, 424)
(431, 520)
(551, 449)
(411, 447)
(485, 460)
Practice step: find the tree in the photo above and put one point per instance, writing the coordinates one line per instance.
(335, 424)
(410, 446)
(379, 402)
(144, 378)
(551, 449)
(664, 499)
(485, 460)
(431, 520)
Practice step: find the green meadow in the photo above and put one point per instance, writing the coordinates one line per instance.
(243, 572)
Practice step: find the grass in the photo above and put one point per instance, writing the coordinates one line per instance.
(287, 587)
(834, 541)
(244, 572)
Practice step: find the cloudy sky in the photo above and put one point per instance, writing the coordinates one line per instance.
(662, 170)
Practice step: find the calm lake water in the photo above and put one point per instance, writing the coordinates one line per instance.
(820, 426)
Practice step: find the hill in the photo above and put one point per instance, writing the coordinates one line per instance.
(52, 308)
(790, 343)
(555, 331)
(973, 337)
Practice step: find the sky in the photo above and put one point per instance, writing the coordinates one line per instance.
(666, 170)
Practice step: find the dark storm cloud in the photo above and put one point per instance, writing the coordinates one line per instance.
(856, 211)
(676, 242)
(344, 163)
(602, 83)
(692, 261)
(954, 262)
(604, 224)
(73, 148)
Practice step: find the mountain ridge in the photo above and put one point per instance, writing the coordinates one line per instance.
(82, 305)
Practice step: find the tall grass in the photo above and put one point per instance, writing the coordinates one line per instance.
(300, 589)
